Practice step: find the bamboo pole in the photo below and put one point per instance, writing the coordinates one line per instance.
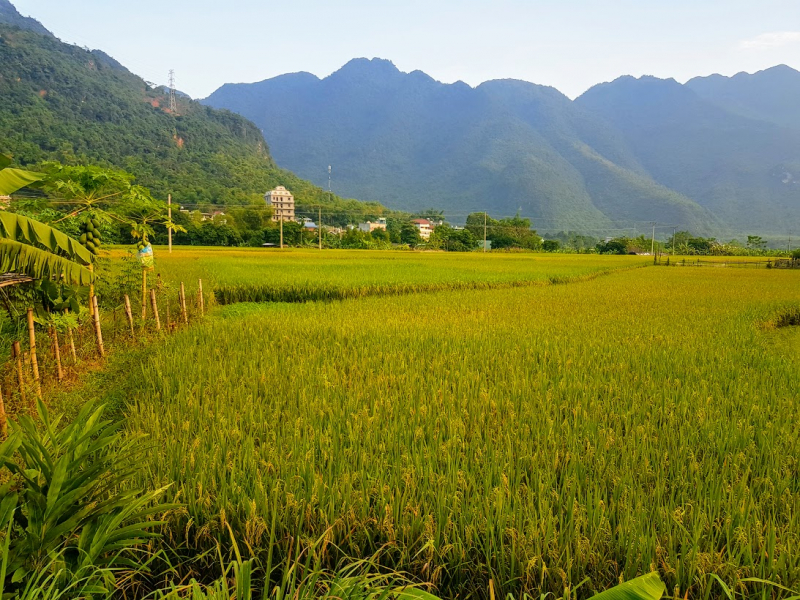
(97, 330)
(144, 295)
(129, 314)
(91, 293)
(15, 351)
(3, 418)
(56, 352)
(34, 361)
(200, 300)
(183, 305)
(72, 346)
(155, 309)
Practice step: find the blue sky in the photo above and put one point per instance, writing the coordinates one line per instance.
(569, 44)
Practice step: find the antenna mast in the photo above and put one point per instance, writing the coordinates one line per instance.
(173, 102)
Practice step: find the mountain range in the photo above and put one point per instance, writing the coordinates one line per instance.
(717, 155)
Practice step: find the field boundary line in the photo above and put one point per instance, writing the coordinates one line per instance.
(265, 294)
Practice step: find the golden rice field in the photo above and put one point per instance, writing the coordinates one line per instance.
(300, 275)
(535, 436)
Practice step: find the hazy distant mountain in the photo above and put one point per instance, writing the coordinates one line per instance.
(772, 95)
(414, 143)
(743, 169)
(10, 16)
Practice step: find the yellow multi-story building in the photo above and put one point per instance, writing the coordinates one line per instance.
(282, 202)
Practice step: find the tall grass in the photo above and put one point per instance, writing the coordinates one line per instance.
(533, 437)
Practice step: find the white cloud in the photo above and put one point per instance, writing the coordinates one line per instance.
(773, 39)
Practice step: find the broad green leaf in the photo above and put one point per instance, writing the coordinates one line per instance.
(646, 587)
(18, 228)
(39, 264)
(12, 180)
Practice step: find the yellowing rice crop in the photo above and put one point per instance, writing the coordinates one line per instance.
(535, 436)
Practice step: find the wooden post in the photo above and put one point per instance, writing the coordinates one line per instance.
(98, 332)
(183, 305)
(15, 351)
(34, 361)
(72, 346)
(3, 419)
(201, 300)
(144, 295)
(57, 352)
(129, 313)
(91, 293)
(155, 309)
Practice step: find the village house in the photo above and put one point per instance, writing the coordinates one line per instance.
(424, 226)
(369, 226)
(282, 202)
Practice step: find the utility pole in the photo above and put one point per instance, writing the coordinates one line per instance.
(173, 101)
(653, 243)
(319, 227)
(484, 232)
(169, 218)
(673, 240)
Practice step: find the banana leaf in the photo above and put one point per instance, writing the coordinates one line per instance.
(16, 257)
(22, 229)
(646, 587)
(13, 179)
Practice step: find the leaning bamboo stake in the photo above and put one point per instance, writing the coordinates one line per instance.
(129, 314)
(200, 300)
(91, 293)
(183, 305)
(97, 330)
(155, 309)
(72, 346)
(34, 361)
(144, 295)
(17, 354)
(3, 418)
(56, 352)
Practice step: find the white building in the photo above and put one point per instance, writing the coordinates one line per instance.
(369, 226)
(424, 226)
(282, 202)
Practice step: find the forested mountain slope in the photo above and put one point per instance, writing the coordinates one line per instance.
(61, 102)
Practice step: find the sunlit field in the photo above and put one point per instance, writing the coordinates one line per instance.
(301, 275)
(535, 436)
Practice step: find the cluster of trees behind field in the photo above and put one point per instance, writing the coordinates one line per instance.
(684, 243)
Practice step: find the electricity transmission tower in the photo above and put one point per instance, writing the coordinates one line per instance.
(173, 102)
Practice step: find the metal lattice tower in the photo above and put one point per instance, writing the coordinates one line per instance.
(173, 101)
